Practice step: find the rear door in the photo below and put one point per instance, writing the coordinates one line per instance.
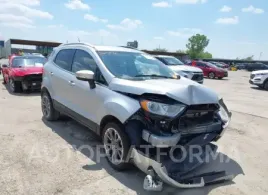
(60, 75)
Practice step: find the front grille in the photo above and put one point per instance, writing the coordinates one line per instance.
(198, 119)
(197, 77)
(252, 76)
(33, 77)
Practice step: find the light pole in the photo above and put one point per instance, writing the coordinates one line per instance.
(260, 55)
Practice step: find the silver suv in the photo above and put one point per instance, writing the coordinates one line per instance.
(134, 101)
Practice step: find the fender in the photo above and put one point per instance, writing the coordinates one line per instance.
(120, 107)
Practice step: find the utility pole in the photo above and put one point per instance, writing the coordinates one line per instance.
(260, 55)
(78, 39)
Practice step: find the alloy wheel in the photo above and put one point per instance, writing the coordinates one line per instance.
(113, 146)
(12, 85)
(211, 75)
(46, 106)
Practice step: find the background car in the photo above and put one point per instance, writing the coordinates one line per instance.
(259, 78)
(218, 64)
(256, 66)
(211, 71)
(23, 72)
(193, 73)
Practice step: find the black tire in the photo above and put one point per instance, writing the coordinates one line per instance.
(4, 81)
(265, 85)
(119, 128)
(211, 75)
(48, 110)
(14, 86)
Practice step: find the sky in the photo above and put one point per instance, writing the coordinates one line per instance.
(235, 28)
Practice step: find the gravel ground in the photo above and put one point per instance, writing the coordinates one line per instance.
(40, 157)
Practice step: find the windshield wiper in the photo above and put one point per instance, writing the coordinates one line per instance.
(153, 75)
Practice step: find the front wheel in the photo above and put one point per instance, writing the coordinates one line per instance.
(116, 144)
(49, 112)
(14, 86)
(211, 75)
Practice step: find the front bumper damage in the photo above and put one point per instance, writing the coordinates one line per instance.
(165, 169)
(30, 82)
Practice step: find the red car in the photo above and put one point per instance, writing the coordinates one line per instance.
(211, 71)
(23, 72)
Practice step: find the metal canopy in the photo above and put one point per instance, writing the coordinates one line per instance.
(36, 43)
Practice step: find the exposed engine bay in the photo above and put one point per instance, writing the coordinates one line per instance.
(187, 133)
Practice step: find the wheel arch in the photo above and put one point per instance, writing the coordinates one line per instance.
(107, 119)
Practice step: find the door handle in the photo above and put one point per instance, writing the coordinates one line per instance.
(71, 83)
(51, 73)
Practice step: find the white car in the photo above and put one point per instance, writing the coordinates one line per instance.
(259, 78)
(193, 73)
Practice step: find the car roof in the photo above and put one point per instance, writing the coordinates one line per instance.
(101, 47)
(115, 48)
(164, 56)
(28, 56)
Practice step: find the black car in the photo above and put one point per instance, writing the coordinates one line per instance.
(256, 66)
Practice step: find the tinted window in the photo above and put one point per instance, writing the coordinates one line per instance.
(200, 64)
(83, 61)
(64, 58)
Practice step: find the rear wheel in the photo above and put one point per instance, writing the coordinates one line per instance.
(211, 75)
(48, 109)
(14, 86)
(116, 144)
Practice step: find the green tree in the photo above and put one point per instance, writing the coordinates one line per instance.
(205, 55)
(160, 49)
(250, 58)
(196, 45)
(180, 51)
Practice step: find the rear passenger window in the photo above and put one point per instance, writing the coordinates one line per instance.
(64, 59)
(83, 61)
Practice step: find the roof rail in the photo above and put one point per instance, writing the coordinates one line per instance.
(86, 44)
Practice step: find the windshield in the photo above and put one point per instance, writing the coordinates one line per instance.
(135, 66)
(171, 61)
(28, 62)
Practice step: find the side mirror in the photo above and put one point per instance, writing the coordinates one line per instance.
(86, 75)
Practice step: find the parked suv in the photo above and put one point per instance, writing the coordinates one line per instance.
(132, 100)
(259, 78)
(193, 73)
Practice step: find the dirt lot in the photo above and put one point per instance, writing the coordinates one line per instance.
(38, 157)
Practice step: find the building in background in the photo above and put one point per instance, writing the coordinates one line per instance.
(12, 46)
(133, 44)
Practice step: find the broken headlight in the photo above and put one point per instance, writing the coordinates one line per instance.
(223, 114)
(161, 108)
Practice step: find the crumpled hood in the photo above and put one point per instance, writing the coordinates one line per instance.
(27, 71)
(182, 90)
(178, 68)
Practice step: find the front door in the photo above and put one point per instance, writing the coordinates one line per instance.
(86, 101)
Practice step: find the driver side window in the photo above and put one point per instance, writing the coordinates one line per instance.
(83, 61)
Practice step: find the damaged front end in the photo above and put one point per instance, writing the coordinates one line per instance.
(172, 139)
